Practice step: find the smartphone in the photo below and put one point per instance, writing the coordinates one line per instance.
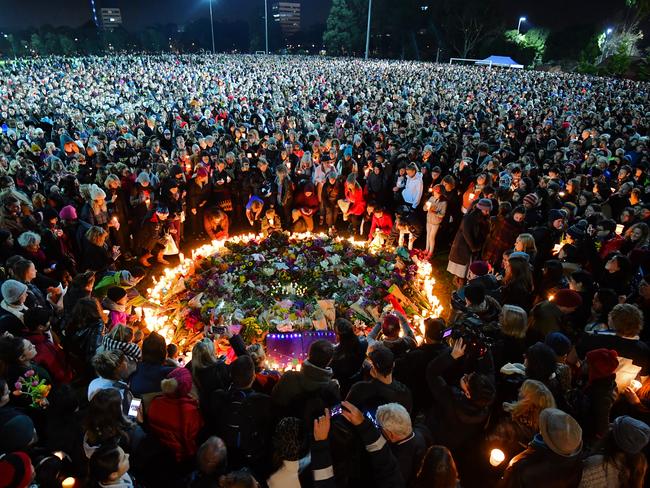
(134, 407)
(372, 419)
(336, 410)
(447, 333)
(217, 330)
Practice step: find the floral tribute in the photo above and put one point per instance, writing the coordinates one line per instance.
(31, 385)
(287, 283)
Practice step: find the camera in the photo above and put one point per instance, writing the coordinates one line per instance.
(469, 328)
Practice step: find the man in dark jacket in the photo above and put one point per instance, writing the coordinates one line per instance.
(368, 395)
(458, 415)
(407, 444)
(552, 458)
(547, 236)
(150, 238)
(408, 370)
(244, 418)
(299, 391)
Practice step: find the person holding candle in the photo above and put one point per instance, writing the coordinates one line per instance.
(436, 208)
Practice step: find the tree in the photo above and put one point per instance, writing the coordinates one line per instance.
(36, 44)
(67, 45)
(534, 39)
(344, 28)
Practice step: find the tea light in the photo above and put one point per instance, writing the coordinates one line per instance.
(68, 482)
(496, 457)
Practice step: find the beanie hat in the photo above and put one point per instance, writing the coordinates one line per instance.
(116, 293)
(68, 213)
(287, 438)
(602, 363)
(630, 434)
(96, 192)
(178, 382)
(481, 390)
(15, 470)
(519, 254)
(50, 213)
(541, 362)
(143, 179)
(390, 326)
(567, 298)
(479, 268)
(348, 151)
(531, 199)
(560, 343)
(555, 214)
(560, 431)
(127, 278)
(485, 204)
(17, 434)
(12, 290)
(576, 231)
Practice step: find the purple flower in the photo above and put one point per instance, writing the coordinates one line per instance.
(29, 373)
(18, 385)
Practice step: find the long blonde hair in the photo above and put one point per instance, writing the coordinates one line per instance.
(534, 397)
(203, 355)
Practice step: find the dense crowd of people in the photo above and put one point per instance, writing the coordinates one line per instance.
(535, 184)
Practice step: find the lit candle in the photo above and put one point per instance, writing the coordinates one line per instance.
(556, 248)
(619, 229)
(562, 194)
(60, 455)
(635, 384)
(68, 482)
(496, 457)
(471, 196)
(551, 298)
(181, 257)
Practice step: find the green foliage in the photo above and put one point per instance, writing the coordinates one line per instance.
(619, 63)
(345, 30)
(534, 40)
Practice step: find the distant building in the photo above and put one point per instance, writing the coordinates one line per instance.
(287, 14)
(111, 17)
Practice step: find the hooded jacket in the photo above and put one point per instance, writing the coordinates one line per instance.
(309, 379)
(412, 192)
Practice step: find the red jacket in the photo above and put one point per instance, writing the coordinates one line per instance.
(610, 246)
(385, 225)
(357, 203)
(51, 357)
(176, 423)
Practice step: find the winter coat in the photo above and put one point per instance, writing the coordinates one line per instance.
(454, 420)
(357, 202)
(384, 225)
(539, 466)
(309, 379)
(51, 357)
(501, 237)
(151, 233)
(176, 423)
(436, 210)
(368, 395)
(412, 192)
(470, 237)
(147, 378)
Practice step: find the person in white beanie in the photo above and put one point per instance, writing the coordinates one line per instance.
(14, 294)
(95, 211)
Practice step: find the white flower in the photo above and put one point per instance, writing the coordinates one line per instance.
(280, 265)
(268, 271)
(359, 261)
(335, 259)
(324, 263)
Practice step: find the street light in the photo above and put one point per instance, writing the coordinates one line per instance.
(521, 19)
(212, 28)
(368, 29)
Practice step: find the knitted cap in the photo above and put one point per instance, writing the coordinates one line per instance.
(17, 434)
(559, 343)
(602, 363)
(116, 293)
(178, 382)
(12, 290)
(15, 470)
(96, 193)
(68, 213)
(390, 325)
(531, 199)
(555, 214)
(479, 268)
(567, 298)
(561, 433)
(485, 204)
(630, 434)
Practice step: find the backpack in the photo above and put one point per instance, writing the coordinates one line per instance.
(239, 428)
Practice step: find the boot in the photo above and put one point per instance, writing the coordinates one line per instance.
(161, 259)
(144, 260)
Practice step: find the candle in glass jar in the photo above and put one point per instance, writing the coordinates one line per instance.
(68, 482)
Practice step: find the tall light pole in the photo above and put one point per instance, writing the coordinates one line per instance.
(212, 28)
(521, 19)
(266, 24)
(368, 28)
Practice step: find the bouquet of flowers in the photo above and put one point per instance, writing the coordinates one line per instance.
(31, 385)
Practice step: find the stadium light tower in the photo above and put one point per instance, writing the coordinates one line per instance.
(368, 29)
(521, 19)
(212, 27)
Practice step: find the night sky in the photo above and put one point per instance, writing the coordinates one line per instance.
(20, 14)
